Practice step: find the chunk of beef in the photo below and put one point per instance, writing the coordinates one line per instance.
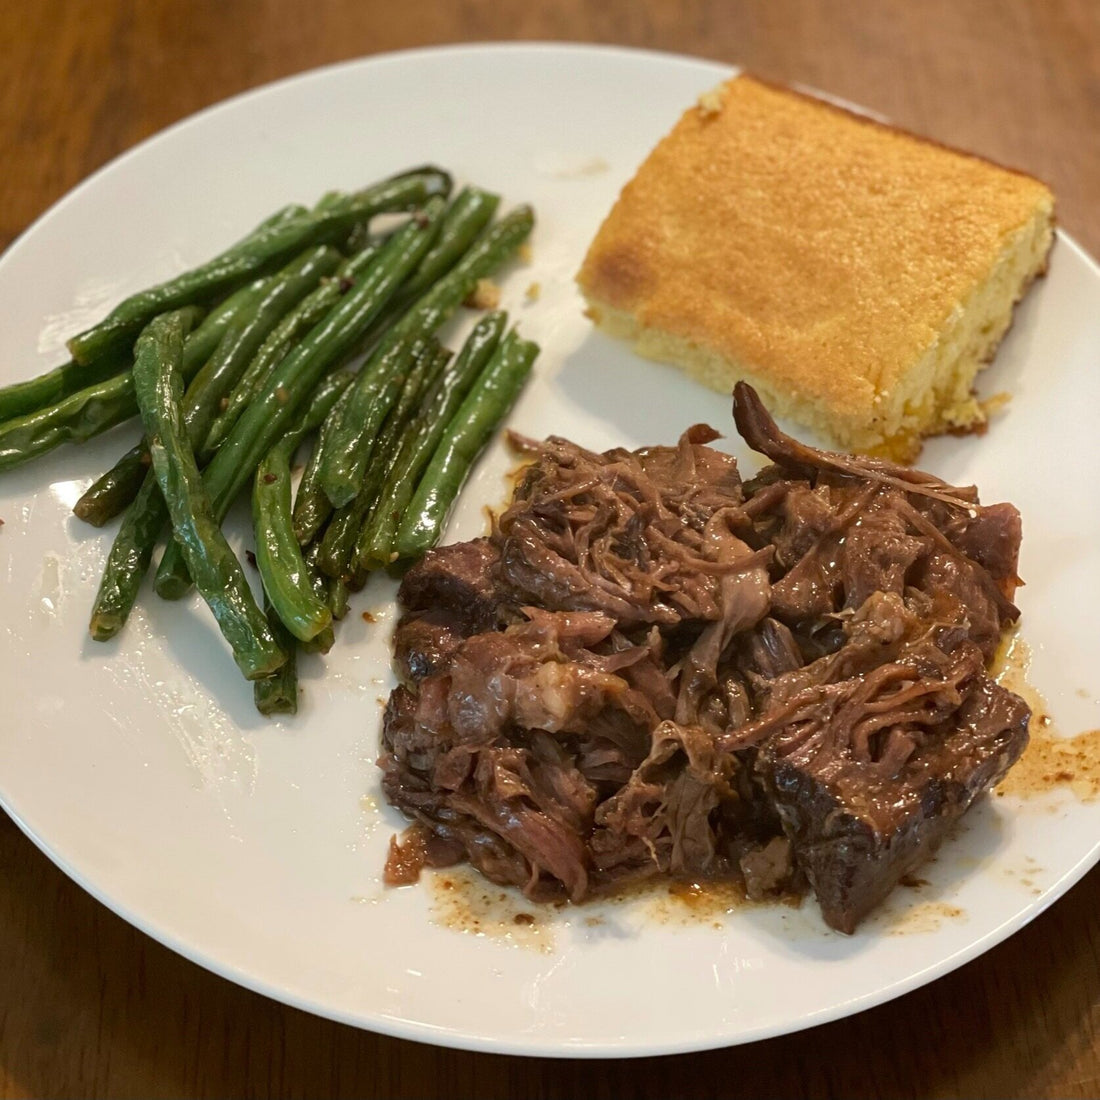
(424, 642)
(663, 819)
(769, 651)
(878, 553)
(806, 515)
(992, 539)
(459, 578)
(514, 812)
(768, 868)
(860, 817)
(812, 588)
(743, 599)
(497, 682)
(959, 588)
(813, 585)
(629, 534)
(450, 594)
(545, 822)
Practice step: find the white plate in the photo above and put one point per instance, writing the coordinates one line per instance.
(141, 768)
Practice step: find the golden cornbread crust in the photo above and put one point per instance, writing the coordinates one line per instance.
(857, 275)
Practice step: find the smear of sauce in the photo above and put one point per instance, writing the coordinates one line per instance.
(1050, 761)
(694, 903)
(1026, 875)
(464, 902)
(925, 916)
(678, 903)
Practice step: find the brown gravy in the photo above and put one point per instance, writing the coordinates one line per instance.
(1050, 761)
(463, 901)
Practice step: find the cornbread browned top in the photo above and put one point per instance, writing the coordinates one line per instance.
(823, 248)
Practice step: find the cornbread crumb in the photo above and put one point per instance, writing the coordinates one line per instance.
(533, 292)
(994, 403)
(485, 295)
(710, 102)
(526, 253)
(859, 277)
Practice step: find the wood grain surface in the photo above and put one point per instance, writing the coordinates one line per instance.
(91, 1007)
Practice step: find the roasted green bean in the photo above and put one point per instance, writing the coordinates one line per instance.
(295, 378)
(375, 543)
(257, 253)
(492, 395)
(217, 573)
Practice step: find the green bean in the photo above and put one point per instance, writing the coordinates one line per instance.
(342, 470)
(21, 398)
(323, 642)
(218, 574)
(257, 253)
(359, 236)
(494, 245)
(492, 248)
(320, 643)
(132, 549)
(295, 378)
(375, 543)
(339, 540)
(466, 217)
(470, 211)
(47, 389)
(74, 419)
(145, 518)
(128, 560)
(287, 333)
(240, 343)
(311, 507)
(338, 545)
(376, 389)
(287, 291)
(492, 395)
(278, 694)
(359, 239)
(284, 572)
(113, 491)
(324, 398)
(339, 595)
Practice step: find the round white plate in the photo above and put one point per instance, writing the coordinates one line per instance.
(255, 847)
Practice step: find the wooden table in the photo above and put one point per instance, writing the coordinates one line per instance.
(88, 1006)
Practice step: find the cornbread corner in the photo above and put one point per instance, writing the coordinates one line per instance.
(859, 277)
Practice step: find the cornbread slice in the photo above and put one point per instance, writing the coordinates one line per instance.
(859, 277)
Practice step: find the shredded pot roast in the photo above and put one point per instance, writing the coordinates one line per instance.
(652, 667)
